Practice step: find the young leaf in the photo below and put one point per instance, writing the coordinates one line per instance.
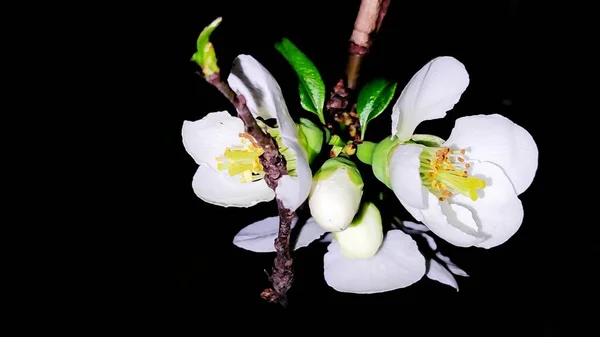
(372, 100)
(312, 88)
(205, 56)
(305, 100)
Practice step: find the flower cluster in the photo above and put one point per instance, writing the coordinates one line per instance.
(464, 190)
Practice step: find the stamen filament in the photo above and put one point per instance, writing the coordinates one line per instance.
(445, 172)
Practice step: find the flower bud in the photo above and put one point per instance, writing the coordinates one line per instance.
(335, 195)
(310, 137)
(362, 239)
(380, 159)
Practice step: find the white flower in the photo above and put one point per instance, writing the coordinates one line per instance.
(229, 172)
(335, 195)
(397, 263)
(466, 188)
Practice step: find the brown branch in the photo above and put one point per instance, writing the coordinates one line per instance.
(275, 166)
(360, 40)
(368, 21)
(282, 275)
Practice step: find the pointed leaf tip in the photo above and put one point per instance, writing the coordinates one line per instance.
(311, 86)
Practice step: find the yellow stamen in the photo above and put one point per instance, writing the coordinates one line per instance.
(445, 173)
(243, 160)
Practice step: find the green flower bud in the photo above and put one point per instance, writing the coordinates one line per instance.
(310, 137)
(365, 151)
(380, 160)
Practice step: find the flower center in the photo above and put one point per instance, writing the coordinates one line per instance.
(243, 160)
(445, 172)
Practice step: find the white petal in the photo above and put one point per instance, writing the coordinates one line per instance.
(452, 223)
(437, 272)
(432, 91)
(415, 226)
(309, 232)
(262, 92)
(293, 191)
(217, 188)
(405, 178)
(398, 264)
(498, 212)
(260, 236)
(206, 139)
(456, 270)
(496, 139)
(430, 241)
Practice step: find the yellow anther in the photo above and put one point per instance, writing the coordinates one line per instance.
(243, 160)
(244, 135)
(445, 173)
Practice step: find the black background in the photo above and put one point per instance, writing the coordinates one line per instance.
(207, 280)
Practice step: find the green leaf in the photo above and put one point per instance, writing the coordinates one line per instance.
(372, 101)
(306, 101)
(312, 88)
(336, 141)
(205, 55)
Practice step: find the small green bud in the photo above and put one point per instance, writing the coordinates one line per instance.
(381, 159)
(365, 151)
(311, 138)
